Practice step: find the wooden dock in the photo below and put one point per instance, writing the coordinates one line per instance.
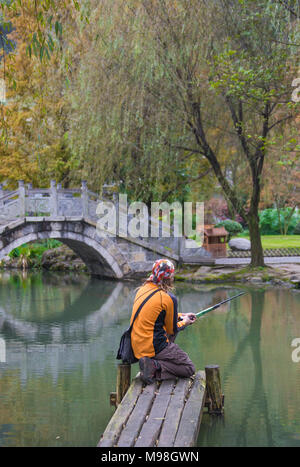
(162, 414)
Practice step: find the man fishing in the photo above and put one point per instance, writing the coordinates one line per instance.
(156, 325)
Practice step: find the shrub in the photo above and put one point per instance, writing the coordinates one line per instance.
(297, 229)
(34, 251)
(269, 222)
(14, 253)
(232, 227)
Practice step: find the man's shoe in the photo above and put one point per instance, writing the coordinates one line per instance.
(148, 368)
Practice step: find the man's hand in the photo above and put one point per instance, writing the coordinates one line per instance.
(188, 318)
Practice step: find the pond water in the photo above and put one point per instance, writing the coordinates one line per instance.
(60, 334)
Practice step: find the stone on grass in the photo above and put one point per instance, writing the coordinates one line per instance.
(237, 244)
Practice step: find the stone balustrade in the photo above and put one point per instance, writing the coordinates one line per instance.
(27, 201)
(69, 215)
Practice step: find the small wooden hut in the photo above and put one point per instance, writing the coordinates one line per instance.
(215, 239)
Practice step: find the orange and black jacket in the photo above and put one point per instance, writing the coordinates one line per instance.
(157, 318)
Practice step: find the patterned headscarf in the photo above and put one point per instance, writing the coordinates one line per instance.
(161, 269)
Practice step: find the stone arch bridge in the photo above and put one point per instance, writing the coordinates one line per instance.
(69, 215)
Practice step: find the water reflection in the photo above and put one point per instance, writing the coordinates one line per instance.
(80, 311)
(55, 324)
(62, 332)
(253, 340)
(261, 357)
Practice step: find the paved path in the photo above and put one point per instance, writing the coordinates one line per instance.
(268, 260)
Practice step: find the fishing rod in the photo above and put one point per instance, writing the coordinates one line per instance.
(207, 310)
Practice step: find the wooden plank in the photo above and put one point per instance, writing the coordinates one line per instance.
(121, 415)
(192, 413)
(151, 428)
(173, 414)
(138, 416)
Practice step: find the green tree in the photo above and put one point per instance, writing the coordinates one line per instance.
(212, 71)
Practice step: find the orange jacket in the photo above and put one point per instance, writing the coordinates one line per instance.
(157, 318)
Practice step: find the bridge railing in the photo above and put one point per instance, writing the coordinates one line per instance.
(27, 201)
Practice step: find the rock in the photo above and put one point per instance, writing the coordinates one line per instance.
(62, 259)
(237, 244)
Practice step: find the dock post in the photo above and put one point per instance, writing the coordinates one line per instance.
(123, 381)
(214, 396)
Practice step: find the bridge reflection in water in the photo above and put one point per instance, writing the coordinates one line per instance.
(55, 322)
(59, 323)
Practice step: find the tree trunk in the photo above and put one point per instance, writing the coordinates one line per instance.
(279, 217)
(287, 220)
(257, 254)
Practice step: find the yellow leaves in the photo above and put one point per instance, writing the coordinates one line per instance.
(17, 166)
(35, 113)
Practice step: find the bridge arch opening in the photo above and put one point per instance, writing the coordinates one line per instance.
(99, 260)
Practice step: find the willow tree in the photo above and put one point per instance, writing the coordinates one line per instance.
(218, 71)
(117, 132)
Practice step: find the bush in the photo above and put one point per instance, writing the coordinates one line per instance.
(269, 222)
(232, 227)
(297, 229)
(14, 253)
(34, 251)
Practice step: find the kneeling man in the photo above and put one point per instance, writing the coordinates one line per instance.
(156, 326)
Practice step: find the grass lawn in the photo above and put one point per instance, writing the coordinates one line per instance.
(278, 241)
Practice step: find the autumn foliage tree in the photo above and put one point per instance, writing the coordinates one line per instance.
(34, 144)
